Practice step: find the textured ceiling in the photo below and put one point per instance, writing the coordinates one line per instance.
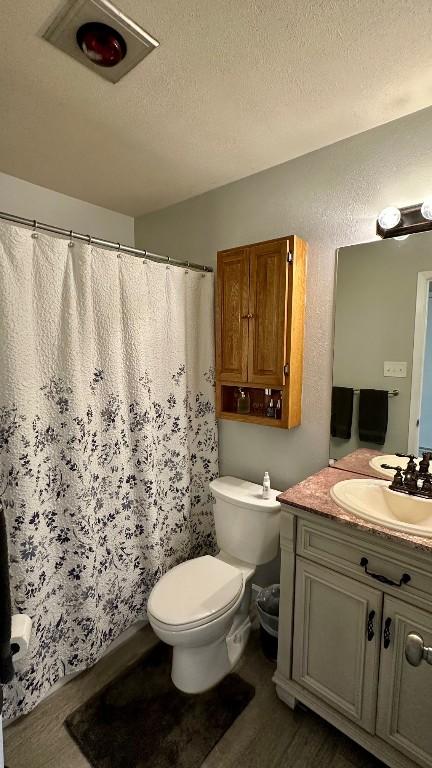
(236, 86)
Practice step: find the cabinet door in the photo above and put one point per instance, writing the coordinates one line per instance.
(337, 640)
(232, 309)
(268, 308)
(405, 692)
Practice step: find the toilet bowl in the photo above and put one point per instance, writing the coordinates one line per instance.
(201, 607)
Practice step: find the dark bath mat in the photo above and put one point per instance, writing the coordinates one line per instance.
(141, 720)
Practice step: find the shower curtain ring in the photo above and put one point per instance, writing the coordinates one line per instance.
(34, 234)
(89, 238)
(168, 260)
(144, 260)
(71, 242)
(118, 250)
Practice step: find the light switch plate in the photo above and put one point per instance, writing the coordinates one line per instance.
(397, 370)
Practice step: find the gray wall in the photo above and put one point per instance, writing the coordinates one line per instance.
(375, 316)
(34, 202)
(331, 198)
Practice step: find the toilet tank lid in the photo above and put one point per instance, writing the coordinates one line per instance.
(244, 494)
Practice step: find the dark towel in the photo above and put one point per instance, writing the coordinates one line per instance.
(341, 412)
(6, 666)
(373, 415)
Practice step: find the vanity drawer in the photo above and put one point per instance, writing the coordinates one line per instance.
(343, 551)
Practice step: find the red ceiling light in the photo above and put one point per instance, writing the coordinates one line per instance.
(102, 44)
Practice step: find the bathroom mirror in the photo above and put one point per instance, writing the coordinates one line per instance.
(382, 341)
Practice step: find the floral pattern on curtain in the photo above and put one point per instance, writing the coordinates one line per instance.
(108, 441)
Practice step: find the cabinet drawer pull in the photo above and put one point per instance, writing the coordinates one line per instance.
(404, 579)
(387, 634)
(370, 626)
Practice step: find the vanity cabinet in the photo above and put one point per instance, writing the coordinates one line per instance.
(343, 632)
(260, 327)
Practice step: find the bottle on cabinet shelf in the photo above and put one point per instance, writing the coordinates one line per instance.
(243, 402)
(270, 412)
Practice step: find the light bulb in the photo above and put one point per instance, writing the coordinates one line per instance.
(389, 217)
(101, 44)
(426, 209)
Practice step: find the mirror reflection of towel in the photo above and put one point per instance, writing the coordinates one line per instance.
(341, 412)
(373, 415)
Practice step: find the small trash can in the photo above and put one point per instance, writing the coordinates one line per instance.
(268, 611)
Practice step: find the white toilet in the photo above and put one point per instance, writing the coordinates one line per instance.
(201, 607)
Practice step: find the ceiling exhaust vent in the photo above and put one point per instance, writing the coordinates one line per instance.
(100, 36)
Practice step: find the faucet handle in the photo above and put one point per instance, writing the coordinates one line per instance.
(425, 463)
(411, 466)
(427, 485)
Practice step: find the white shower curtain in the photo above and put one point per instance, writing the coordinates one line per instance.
(107, 441)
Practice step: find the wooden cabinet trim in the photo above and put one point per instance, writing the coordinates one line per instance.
(289, 239)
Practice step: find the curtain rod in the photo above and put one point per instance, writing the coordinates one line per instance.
(140, 254)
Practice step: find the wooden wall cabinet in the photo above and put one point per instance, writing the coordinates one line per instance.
(260, 307)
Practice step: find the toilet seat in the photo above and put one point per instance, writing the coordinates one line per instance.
(195, 593)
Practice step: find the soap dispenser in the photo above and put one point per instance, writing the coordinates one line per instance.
(266, 486)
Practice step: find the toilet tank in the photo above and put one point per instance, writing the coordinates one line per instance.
(247, 526)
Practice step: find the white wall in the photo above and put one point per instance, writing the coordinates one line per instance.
(331, 198)
(33, 202)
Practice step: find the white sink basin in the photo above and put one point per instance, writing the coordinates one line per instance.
(373, 500)
(389, 458)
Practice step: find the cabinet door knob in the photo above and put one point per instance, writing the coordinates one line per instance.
(416, 651)
(370, 626)
(387, 634)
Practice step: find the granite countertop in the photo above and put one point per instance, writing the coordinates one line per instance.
(313, 495)
(358, 461)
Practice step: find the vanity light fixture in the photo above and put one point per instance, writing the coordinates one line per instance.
(426, 209)
(389, 217)
(398, 222)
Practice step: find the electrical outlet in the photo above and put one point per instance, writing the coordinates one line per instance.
(396, 370)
